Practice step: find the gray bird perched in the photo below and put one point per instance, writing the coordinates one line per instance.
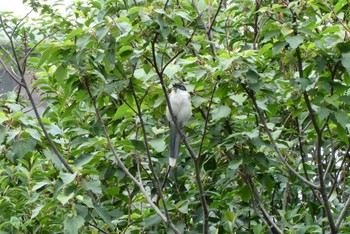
(180, 102)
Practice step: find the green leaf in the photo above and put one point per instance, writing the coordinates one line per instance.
(139, 145)
(189, 60)
(82, 42)
(342, 118)
(152, 220)
(261, 105)
(229, 215)
(197, 101)
(171, 70)
(33, 133)
(101, 33)
(220, 112)
(264, 49)
(67, 178)
(53, 157)
(72, 224)
(86, 200)
(40, 184)
(125, 52)
(345, 61)
(239, 98)
(104, 215)
(183, 14)
(75, 32)
(333, 196)
(36, 211)
(61, 74)
(276, 134)
(63, 198)
(83, 159)
(3, 132)
(235, 163)
(294, 41)
(15, 221)
(340, 4)
(94, 186)
(123, 111)
(22, 147)
(258, 229)
(342, 134)
(3, 117)
(12, 134)
(277, 47)
(158, 144)
(245, 193)
(134, 10)
(139, 73)
(201, 5)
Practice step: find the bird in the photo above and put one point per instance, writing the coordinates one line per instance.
(180, 102)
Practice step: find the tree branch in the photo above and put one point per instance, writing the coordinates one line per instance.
(343, 213)
(184, 140)
(279, 153)
(266, 215)
(145, 141)
(123, 167)
(319, 140)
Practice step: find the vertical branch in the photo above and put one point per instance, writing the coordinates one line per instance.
(303, 157)
(160, 72)
(123, 167)
(256, 27)
(319, 139)
(145, 141)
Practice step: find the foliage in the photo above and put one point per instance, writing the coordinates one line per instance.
(267, 148)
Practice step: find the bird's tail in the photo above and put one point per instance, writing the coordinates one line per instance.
(174, 145)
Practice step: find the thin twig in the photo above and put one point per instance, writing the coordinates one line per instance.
(266, 215)
(343, 213)
(13, 75)
(12, 47)
(206, 122)
(145, 141)
(98, 228)
(338, 19)
(214, 18)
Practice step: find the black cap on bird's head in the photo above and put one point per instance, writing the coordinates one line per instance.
(179, 86)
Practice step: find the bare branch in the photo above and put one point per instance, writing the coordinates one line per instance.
(20, 21)
(13, 75)
(13, 48)
(343, 213)
(214, 18)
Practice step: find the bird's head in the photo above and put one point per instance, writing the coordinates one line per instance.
(179, 86)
